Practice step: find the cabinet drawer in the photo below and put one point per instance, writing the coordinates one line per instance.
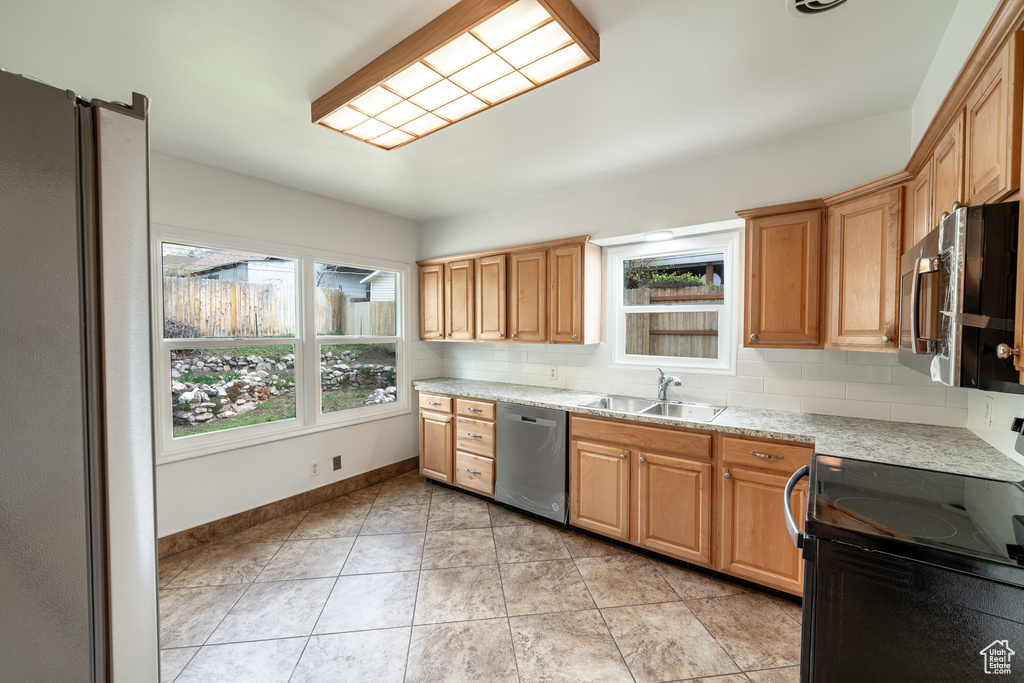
(773, 456)
(480, 410)
(475, 436)
(435, 403)
(474, 472)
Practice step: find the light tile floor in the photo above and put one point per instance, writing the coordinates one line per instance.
(411, 581)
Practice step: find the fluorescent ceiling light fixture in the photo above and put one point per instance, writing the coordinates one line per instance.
(658, 236)
(477, 54)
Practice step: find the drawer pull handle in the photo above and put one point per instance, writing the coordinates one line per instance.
(476, 410)
(434, 403)
(473, 471)
(474, 436)
(766, 456)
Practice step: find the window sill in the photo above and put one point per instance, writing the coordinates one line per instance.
(287, 431)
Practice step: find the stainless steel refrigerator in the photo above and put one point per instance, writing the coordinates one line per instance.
(78, 576)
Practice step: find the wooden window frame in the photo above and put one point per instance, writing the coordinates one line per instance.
(696, 241)
(308, 416)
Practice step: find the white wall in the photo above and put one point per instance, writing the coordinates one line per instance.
(202, 489)
(815, 164)
(965, 26)
(827, 382)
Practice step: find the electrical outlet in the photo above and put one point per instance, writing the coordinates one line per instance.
(986, 411)
(337, 462)
(314, 468)
(552, 372)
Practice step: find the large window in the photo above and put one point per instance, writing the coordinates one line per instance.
(254, 344)
(673, 302)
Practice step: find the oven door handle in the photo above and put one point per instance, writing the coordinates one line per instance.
(922, 266)
(794, 531)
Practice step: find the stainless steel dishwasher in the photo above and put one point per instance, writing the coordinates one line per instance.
(531, 460)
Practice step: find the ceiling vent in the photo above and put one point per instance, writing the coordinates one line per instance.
(806, 8)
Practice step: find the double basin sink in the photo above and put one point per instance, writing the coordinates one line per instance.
(695, 412)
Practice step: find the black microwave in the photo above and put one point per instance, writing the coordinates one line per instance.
(958, 290)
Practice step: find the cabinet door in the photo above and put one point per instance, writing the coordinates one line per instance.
(948, 170)
(528, 296)
(864, 256)
(674, 507)
(993, 125)
(436, 446)
(599, 478)
(755, 543)
(490, 298)
(432, 302)
(458, 300)
(566, 268)
(783, 300)
(921, 203)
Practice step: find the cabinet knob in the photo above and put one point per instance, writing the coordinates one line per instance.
(622, 456)
(513, 336)
(753, 337)
(449, 334)
(642, 459)
(1003, 351)
(438, 334)
(575, 336)
(501, 336)
(885, 339)
(728, 476)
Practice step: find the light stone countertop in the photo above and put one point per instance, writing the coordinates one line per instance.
(946, 449)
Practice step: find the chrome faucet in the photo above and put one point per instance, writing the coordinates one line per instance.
(664, 382)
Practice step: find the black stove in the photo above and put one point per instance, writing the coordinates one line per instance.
(910, 574)
(965, 523)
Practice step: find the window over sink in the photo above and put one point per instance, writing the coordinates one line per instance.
(673, 302)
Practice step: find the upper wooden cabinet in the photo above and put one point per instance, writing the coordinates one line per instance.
(784, 281)
(549, 292)
(947, 171)
(528, 295)
(458, 300)
(432, 301)
(993, 121)
(919, 202)
(863, 278)
(490, 298)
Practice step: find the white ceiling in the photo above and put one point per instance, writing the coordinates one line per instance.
(231, 82)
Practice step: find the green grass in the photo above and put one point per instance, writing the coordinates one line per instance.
(335, 400)
(277, 408)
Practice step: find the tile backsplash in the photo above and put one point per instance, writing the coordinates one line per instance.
(852, 383)
(992, 422)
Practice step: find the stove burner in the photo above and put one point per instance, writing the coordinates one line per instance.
(903, 519)
(881, 476)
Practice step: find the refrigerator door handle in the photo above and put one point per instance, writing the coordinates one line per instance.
(794, 531)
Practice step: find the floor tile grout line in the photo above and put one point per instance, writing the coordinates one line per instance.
(504, 598)
(416, 599)
(714, 637)
(186, 663)
(309, 636)
(598, 608)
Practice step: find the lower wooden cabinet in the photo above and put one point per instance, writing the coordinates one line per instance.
(599, 488)
(456, 449)
(755, 542)
(436, 446)
(674, 507)
(645, 485)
